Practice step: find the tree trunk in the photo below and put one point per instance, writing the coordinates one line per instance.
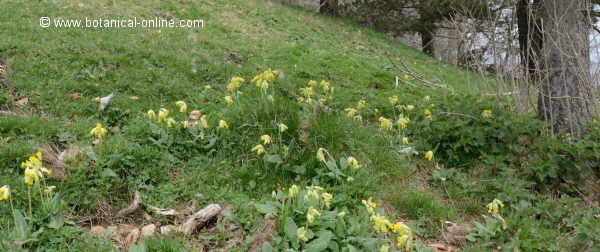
(329, 7)
(427, 42)
(565, 100)
(530, 38)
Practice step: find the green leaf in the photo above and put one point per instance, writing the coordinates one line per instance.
(109, 173)
(57, 221)
(275, 159)
(321, 243)
(21, 227)
(290, 228)
(54, 205)
(266, 247)
(138, 248)
(300, 169)
(266, 208)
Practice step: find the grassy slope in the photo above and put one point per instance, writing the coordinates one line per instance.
(166, 65)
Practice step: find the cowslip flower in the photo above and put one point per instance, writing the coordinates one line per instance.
(228, 100)
(307, 92)
(312, 83)
(294, 189)
(384, 123)
(223, 124)
(259, 149)
(427, 98)
(427, 113)
(98, 132)
(409, 107)
(311, 193)
(182, 106)
(207, 87)
(380, 223)
(33, 162)
(32, 176)
(350, 112)
(352, 162)
(151, 114)
(321, 154)
(301, 232)
(311, 214)
(163, 113)
(361, 104)
(234, 83)
(270, 98)
(403, 121)
(393, 100)
(405, 140)
(428, 155)
(204, 122)
(4, 192)
(185, 124)
(494, 206)
(282, 127)
(486, 113)
(327, 197)
(170, 122)
(265, 139)
(384, 248)
(357, 118)
(404, 241)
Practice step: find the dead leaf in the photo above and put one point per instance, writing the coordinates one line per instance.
(22, 101)
(75, 96)
(440, 247)
(148, 230)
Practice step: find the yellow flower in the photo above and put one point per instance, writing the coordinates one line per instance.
(380, 223)
(282, 127)
(301, 232)
(427, 113)
(32, 175)
(207, 87)
(182, 106)
(405, 140)
(259, 149)
(234, 84)
(266, 139)
(384, 123)
(357, 118)
(399, 228)
(228, 100)
(163, 114)
(427, 98)
(270, 98)
(324, 85)
(350, 112)
(393, 100)
(409, 107)
(341, 214)
(185, 124)
(321, 154)
(4, 193)
(98, 131)
(327, 197)
(494, 206)
(311, 193)
(44, 170)
(49, 189)
(170, 122)
(350, 179)
(403, 121)
(369, 203)
(361, 104)
(486, 113)
(294, 189)
(237, 80)
(151, 114)
(307, 92)
(300, 99)
(428, 155)
(312, 83)
(204, 122)
(404, 241)
(311, 214)
(352, 162)
(223, 124)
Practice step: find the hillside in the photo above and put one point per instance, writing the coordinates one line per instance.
(431, 152)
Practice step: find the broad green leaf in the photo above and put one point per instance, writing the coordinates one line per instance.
(275, 159)
(321, 243)
(57, 221)
(266, 208)
(266, 247)
(109, 173)
(21, 227)
(290, 229)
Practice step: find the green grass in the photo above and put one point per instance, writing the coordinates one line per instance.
(161, 66)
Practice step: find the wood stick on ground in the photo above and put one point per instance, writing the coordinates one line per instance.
(135, 204)
(200, 218)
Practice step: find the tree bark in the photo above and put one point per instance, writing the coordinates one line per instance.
(427, 42)
(565, 100)
(530, 38)
(329, 7)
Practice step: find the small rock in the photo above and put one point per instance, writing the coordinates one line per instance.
(148, 230)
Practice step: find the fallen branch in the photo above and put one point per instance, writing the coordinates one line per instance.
(200, 218)
(163, 211)
(132, 207)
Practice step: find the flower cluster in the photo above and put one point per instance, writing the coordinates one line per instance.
(403, 233)
(34, 171)
(309, 93)
(262, 80)
(194, 119)
(495, 206)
